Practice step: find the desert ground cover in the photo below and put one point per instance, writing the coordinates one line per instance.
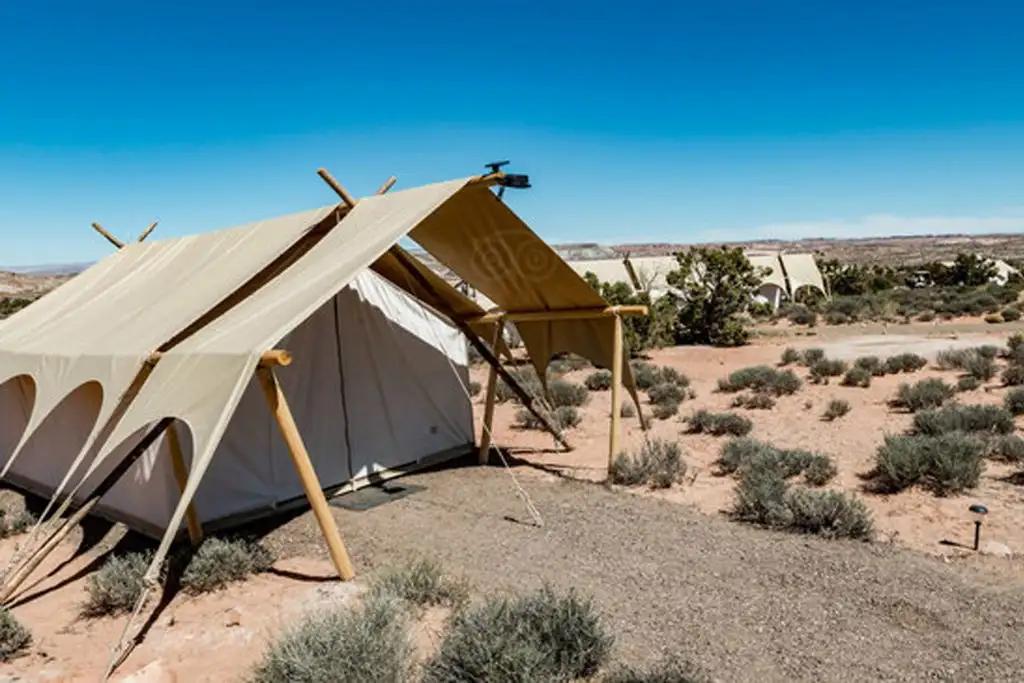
(670, 568)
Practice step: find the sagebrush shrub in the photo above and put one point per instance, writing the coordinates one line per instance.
(836, 409)
(981, 368)
(857, 377)
(645, 375)
(790, 356)
(1013, 376)
(673, 376)
(812, 356)
(953, 359)
(1006, 448)
(14, 637)
(819, 470)
(904, 362)
(987, 351)
(761, 379)
(761, 498)
(1013, 401)
(1010, 315)
(872, 364)
(754, 402)
(526, 378)
(627, 409)
(566, 417)
(947, 463)
(928, 393)
(12, 524)
(367, 644)
(422, 583)
(219, 562)
(475, 388)
(541, 636)
(718, 424)
(741, 454)
(969, 418)
(824, 368)
(665, 409)
(968, 383)
(657, 464)
(831, 514)
(117, 586)
(599, 380)
(666, 392)
(565, 393)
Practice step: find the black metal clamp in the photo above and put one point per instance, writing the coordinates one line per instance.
(518, 181)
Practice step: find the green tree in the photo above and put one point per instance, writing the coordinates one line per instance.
(970, 270)
(640, 332)
(717, 285)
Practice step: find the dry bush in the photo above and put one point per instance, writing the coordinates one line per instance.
(219, 562)
(754, 402)
(945, 464)
(370, 644)
(627, 409)
(14, 637)
(658, 464)
(666, 409)
(117, 586)
(647, 375)
(857, 377)
(718, 424)
(541, 636)
(599, 380)
(819, 470)
(12, 524)
(928, 393)
(422, 583)
(836, 409)
(960, 418)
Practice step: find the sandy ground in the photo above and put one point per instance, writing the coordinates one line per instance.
(668, 569)
(915, 519)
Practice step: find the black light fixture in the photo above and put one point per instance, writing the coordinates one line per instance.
(979, 511)
(518, 181)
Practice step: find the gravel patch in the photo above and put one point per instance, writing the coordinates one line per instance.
(748, 604)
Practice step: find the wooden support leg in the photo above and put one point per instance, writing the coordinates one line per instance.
(195, 529)
(613, 432)
(314, 492)
(492, 390)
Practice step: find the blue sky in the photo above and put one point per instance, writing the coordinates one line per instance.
(638, 121)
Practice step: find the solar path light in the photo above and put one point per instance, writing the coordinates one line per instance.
(978, 511)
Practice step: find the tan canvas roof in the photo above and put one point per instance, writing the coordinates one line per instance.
(802, 271)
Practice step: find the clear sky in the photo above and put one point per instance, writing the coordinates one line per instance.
(637, 121)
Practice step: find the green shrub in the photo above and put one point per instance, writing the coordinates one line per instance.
(668, 670)
(812, 356)
(1013, 376)
(1006, 448)
(1014, 401)
(819, 470)
(673, 376)
(830, 514)
(14, 638)
(981, 368)
(872, 364)
(970, 418)
(564, 393)
(117, 586)
(790, 356)
(627, 409)
(1010, 314)
(599, 380)
(566, 417)
(645, 374)
(526, 378)
(968, 383)
(666, 393)
(739, 455)
(761, 379)
(542, 636)
(658, 464)
(665, 410)
(857, 377)
(718, 424)
(947, 463)
(928, 393)
(422, 583)
(1015, 347)
(475, 388)
(953, 359)
(822, 369)
(798, 314)
(761, 498)
(836, 409)
(990, 351)
(219, 562)
(754, 402)
(904, 362)
(361, 645)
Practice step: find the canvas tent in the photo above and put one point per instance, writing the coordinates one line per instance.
(177, 329)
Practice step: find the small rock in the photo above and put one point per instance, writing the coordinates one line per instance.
(154, 672)
(232, 618)
(995, 549)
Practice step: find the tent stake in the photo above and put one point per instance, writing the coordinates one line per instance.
(314, 492)
(492, 390)
(61, 532)
(613, 431)
(195, 529)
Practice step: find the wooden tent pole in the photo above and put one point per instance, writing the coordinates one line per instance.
(337, 187)
(110, 238)
(314, 492)
(613, 431)
(145, 233)
(61, 532)
(492, 390)
(387, 185)
(195, 529)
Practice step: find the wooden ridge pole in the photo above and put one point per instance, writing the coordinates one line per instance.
(613, 431)
(91, 501)
(110, 238)
(492, 390)
(439, 305)
(314, 491)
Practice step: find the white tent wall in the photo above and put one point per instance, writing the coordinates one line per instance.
(393, 402)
